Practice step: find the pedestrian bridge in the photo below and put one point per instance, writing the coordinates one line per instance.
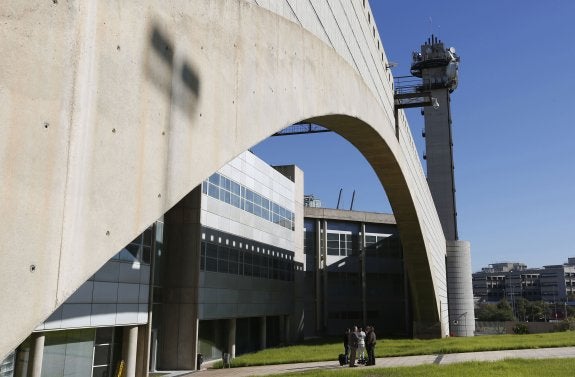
(111, 112)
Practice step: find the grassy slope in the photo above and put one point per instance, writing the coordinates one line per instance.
(328, 350)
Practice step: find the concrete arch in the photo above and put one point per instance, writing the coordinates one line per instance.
(121, 109)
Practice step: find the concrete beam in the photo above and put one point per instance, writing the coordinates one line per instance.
(115, 111)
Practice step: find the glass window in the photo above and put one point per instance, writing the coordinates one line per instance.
(146, 255)
(248, 269)
(101, 371)
(104, 335)
(333, 244)
(215, 179)
(370, 240)
(211, 250)
(236, 188)
(130, 253)
(211, 264)
(266, 214)
(223, 265)
(68, 353)
(235, 201)
(223, 253)
(214, 191)
(102, 354)
(233, 268)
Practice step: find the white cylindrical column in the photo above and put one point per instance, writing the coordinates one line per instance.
(460, 289)
(130, 349)
(37, 354)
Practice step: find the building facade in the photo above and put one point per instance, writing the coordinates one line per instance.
(355, 273)
(102, 324)
(552, 283)
(218, 274)
(238, 265)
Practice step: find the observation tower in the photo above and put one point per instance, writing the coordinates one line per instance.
(437, 66)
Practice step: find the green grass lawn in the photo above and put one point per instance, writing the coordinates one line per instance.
(506, 368)
(323, 350)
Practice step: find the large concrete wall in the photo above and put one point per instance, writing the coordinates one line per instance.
(111, 112)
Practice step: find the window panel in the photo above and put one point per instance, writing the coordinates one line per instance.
(214, 191)
(211, 264)
(212, 250)
(215, 179)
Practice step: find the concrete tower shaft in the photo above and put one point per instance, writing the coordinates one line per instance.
(437, 66)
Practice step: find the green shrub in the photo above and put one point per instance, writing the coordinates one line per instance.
(520, 328)
(567, 324)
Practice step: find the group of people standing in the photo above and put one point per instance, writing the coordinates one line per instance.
(356, 342)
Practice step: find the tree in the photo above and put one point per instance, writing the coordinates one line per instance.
(539, 311)
(505, 311)
(522, 307)
(499, 312)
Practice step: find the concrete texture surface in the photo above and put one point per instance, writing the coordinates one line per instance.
(114, 111)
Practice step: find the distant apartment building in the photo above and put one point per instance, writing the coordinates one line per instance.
(553, 283)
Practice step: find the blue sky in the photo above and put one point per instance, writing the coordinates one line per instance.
(514, 137)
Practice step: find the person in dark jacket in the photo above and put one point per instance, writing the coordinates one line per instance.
(346, 343)
(353, 343)
(370, 340)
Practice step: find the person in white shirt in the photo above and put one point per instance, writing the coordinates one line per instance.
(361, 346)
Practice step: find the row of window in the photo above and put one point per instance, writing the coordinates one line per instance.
(230, 192)
(344, 243)
(232, 255)
(339, 244)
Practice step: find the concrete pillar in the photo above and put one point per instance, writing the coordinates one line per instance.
(363, 277)
(460, 289)
(178, 337)
(263, 332)
(232, 337)
(318, 263)
(287, 336)
(282, 329)
(324, 272)
(153, 350)
(37, 355)
(130, 349)
(143, 350)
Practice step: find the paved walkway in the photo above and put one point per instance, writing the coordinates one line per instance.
(541, 353)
